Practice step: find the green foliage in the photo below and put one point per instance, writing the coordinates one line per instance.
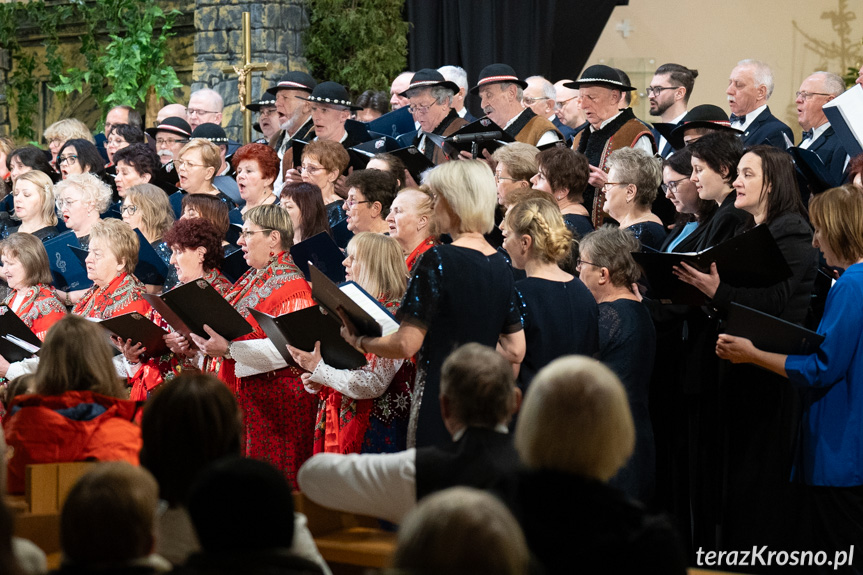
(359, 43)
(123, 48)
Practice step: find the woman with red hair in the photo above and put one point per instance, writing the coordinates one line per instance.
(257, 168)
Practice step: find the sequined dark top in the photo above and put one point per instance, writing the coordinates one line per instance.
(164, 252)
(650, 234)
(458, 295)
(336, 212)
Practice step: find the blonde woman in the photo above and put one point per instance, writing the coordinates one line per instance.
(62, 131)
(366, 409)
(147, 208)
(559, 314)
(33, 197)
(198, 164)
(410, 223)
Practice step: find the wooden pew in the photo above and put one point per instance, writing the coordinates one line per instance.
(346, 539)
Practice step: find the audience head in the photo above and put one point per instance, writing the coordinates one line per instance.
(534, 230)
(477, 388)
(189, 423)
(370, 193)
(700, 121)
(292, 110)
(205, 107)
(211, 208)
(331, 107)
(242, 505)
(679, 189)
(766, 184)
(79, 156)
(563, 173)
(376, 263)
(516, 165)
(170, 134)
(410, 217)
(606, 261)
(62, 131)
(25, 261)
(76, 356)
(136, 164)
(815, 91)
(576, 419)
(108, 519)
(461, 530)
(195, 238)
(33, 195)
(148, 209)
(749, 87)
(714, 164)
(21, 160)
(837, 216)
(305, 205)
(465, 196)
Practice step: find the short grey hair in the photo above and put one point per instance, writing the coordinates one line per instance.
(833, 83)
(210, 95)
(519, 91)
(548, 90)
(440, 94)
(454, 74)
(761, 72)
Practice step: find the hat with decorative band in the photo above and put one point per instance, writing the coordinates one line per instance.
(331, 93)
(600, 75)
(211, 132)
(495, 73)
(429, 78)
(293, 81)
(703, 116)
(266, 100)
(172, 124)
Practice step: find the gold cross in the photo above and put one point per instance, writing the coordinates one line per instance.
(243, 73)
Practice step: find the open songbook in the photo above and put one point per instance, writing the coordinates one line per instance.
(18, 342)
(367, 314)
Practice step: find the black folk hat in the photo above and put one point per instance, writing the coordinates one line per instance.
(331, 93)
(495, 73)
(600, 75)
(429, 78)
(703, 116)
(266, 100)
(293, 81)
(172, 124)
(211, 132)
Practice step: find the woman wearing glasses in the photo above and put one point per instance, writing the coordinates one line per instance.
(627, 341)
(279, 415)
(693, 213)
(257, 167)
(197, 165)
(147, 209)
(322, 164)
(80, 157)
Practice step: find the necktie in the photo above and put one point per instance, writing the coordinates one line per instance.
(736, 118)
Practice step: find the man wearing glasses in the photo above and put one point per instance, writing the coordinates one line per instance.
(668, 94)
(430, 99)
(171, 135)
(294, 117)
(749, 88)
(818, 136)
(541, 97)
(567, 108)
(205, 107)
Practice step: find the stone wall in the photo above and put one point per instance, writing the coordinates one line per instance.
(276, 27)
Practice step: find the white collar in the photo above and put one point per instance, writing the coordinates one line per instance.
(605, 122)
(750, 117)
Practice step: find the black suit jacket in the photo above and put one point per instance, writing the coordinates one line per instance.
(829, 148)
(767, 129)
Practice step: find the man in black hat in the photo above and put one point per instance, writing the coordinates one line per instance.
(267, 118)
(171, 135)
(431, 98)
(501, 94)
(331, 108)
(294, 117)
(611, 128)
(668, 94)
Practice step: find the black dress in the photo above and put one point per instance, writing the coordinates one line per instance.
(627, 344)
(579, 225)
(459, 295)
(650, 234)
(559, 318)
(43, 234)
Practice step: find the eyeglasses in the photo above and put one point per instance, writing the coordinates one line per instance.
(116, 142)
(657, 90)
(312, 170)
(561, 103)
(531, 101)
(169, 142)
(58, 141)
(129, 209)
(608, 185)
(421, 109)
(266, 112)
(183, 164)
(62, 203)
(498, 178)
(351, 203)
(197, 112)
(246, 234)
(672, 185)
(578, 263)
(806, 95)
(70, 159)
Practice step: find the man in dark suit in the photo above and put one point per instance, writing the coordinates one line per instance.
(818, 136)
(668, 94)
(478, 397)
(749, 88)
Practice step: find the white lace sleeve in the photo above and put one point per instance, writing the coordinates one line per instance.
(367, 382)
(22, 367)
(254, 356)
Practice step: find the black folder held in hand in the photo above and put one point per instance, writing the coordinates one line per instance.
(68, 271)
(367, 314)
(188, 307)
(302, 329)
(770, 333)
(323, 252)
(18, 341)
(751, 259)
(136, 327)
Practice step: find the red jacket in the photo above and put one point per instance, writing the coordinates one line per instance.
(74, 426)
